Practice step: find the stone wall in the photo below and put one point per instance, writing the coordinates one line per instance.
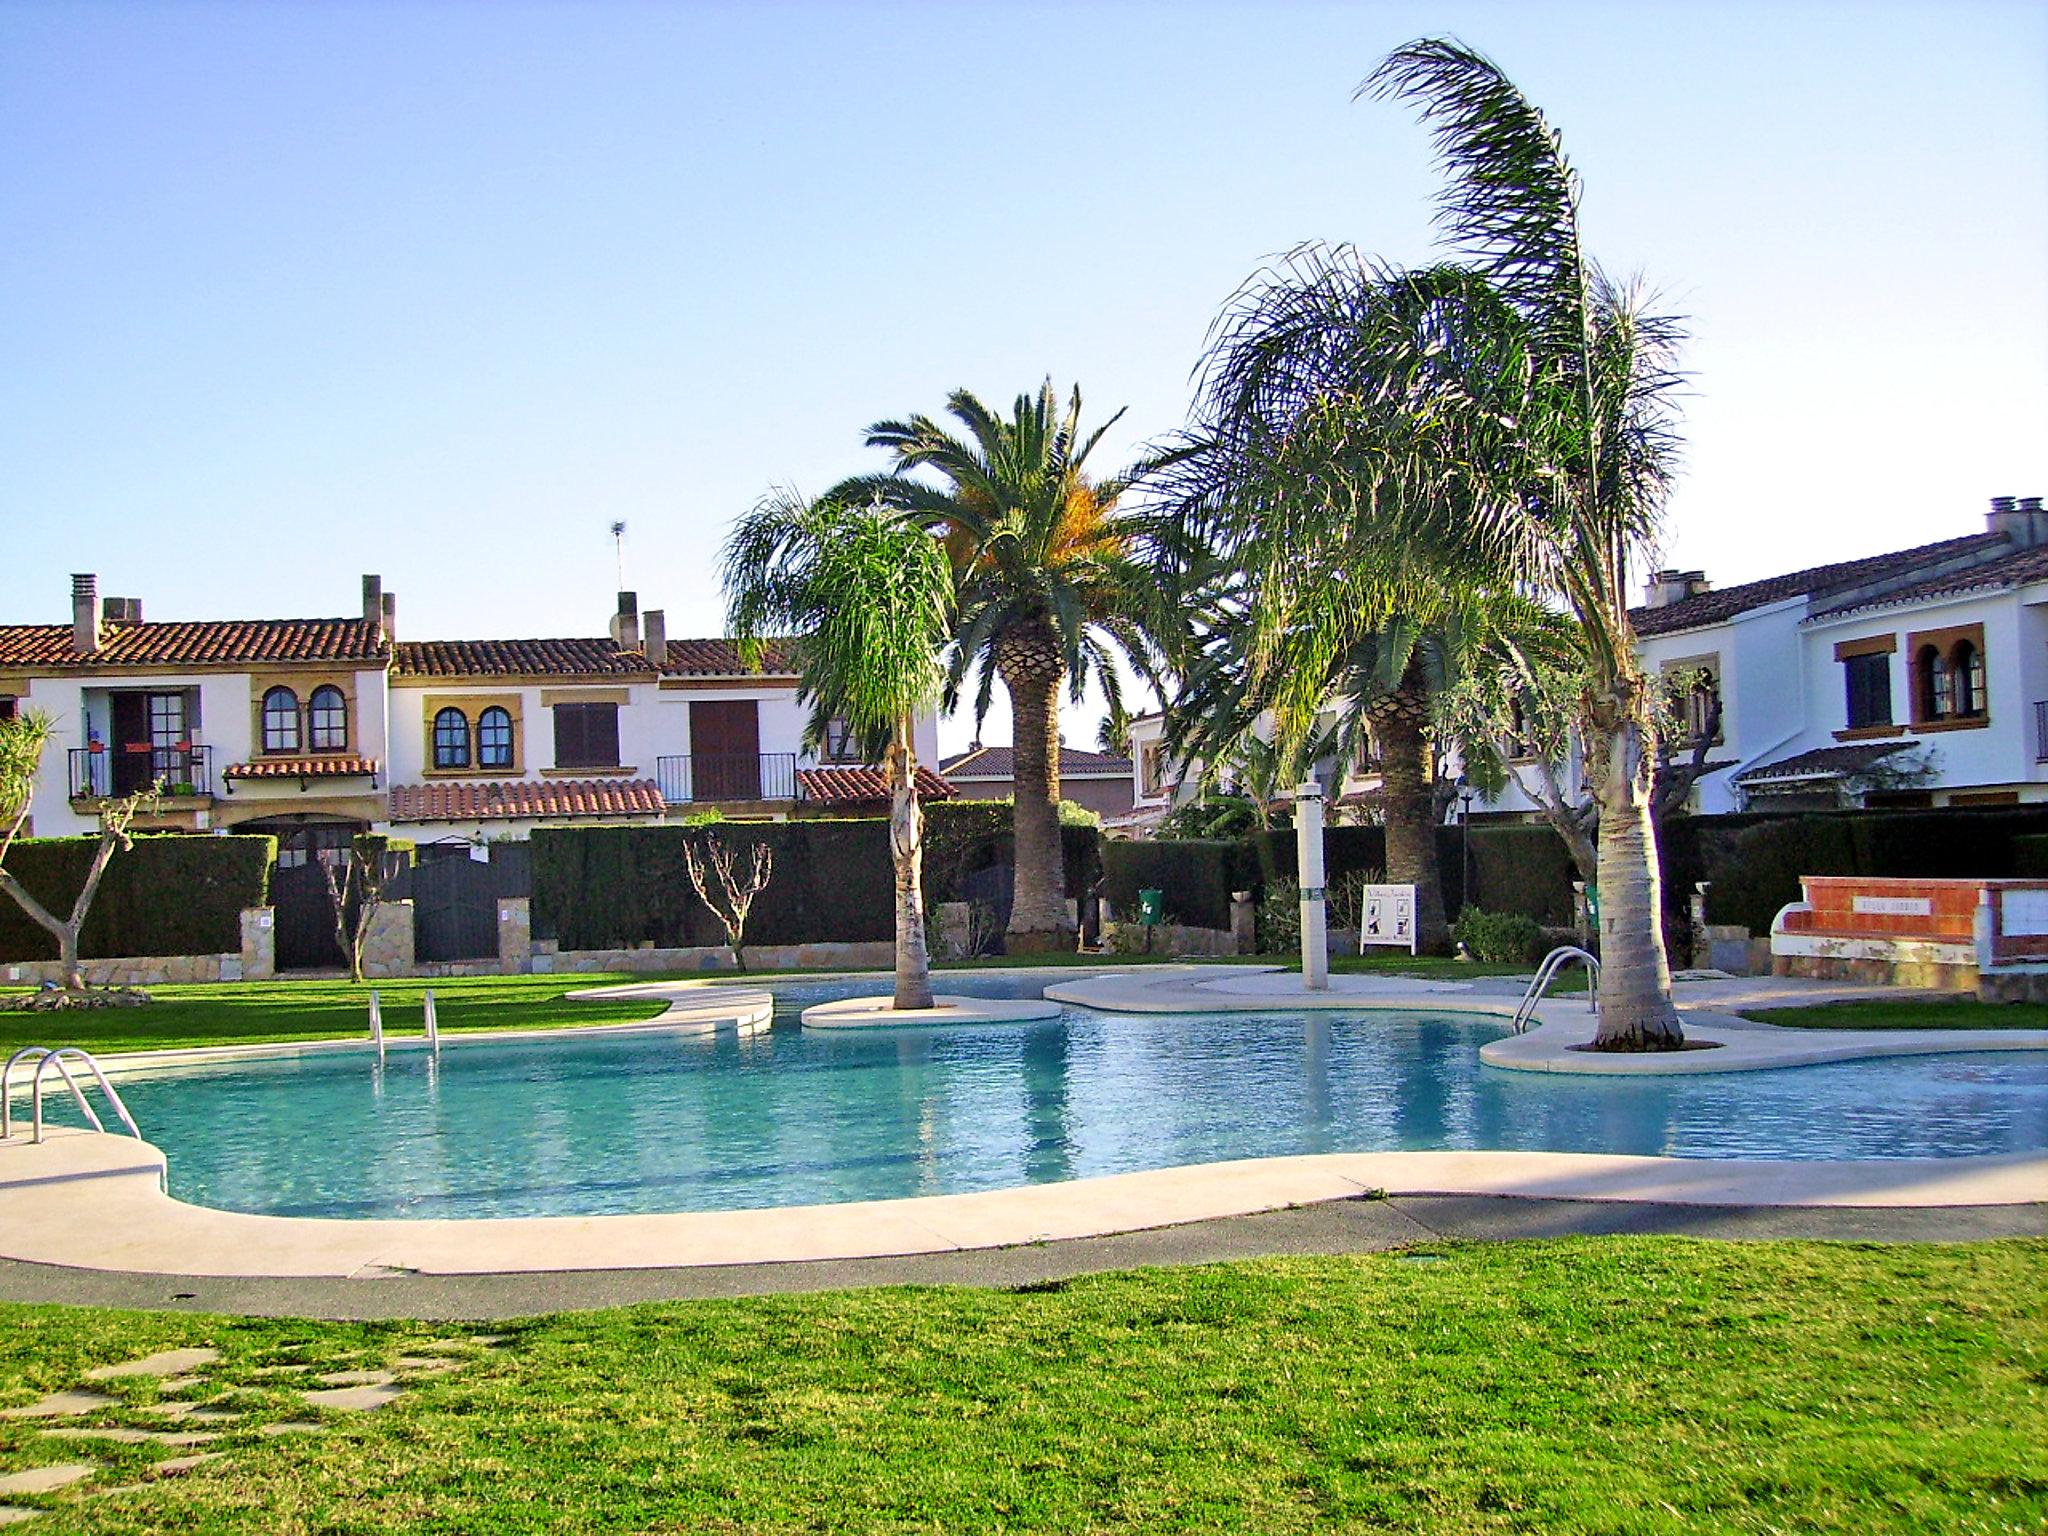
(137, 971)
(515, 935)
(760, 957)
(387, 948)
(259, 943)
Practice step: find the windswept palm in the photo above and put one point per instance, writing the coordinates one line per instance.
(1499, 425)
(1048, 588)
(864, 601)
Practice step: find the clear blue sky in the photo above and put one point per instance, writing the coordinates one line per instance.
(293, 292)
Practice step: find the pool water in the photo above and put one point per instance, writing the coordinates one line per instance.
(657, 1122)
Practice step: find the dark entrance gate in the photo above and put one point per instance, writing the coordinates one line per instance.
(306, 939)
(454, 907)
(304, 911)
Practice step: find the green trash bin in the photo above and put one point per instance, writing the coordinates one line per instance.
(1151, 907)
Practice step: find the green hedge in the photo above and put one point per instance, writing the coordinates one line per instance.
(834, 881)
(1195, 875)
(964, 837)
(1754, 867)
(171, 894)
(1511, 868)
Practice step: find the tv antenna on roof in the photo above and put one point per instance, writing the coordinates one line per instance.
(619, 547)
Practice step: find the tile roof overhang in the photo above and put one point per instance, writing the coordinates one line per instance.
(516, 658)
(2021, 568)
(331, 765)
(864, 786)
(1001, 763)
(522, 798)
(128, 647)
(1725, 603)
(1823, 763)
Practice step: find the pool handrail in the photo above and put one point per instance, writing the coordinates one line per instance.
(1553, 965)
(44, 1057)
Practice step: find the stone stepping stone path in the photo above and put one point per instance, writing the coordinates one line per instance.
(47, 1479)
(166, 1437)
(356, 1399)
(168, 1362)
(357, 1390)
(63, 1405)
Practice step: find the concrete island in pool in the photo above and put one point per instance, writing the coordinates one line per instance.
(97, 1202)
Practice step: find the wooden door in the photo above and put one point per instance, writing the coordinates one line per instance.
(131, 745)
(725, 749)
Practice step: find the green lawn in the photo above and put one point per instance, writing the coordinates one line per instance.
(252, 1013)
(1960, 1012)
(1638, 1385)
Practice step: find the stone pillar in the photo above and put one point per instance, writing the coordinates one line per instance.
(387, 948)
(1244, 924)
(259, 943)
(1315, 928)
(515, 935)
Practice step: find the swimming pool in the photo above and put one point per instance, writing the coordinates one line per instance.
(652, 1122)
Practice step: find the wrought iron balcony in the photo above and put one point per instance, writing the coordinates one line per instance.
(726, 776)
(181, 772)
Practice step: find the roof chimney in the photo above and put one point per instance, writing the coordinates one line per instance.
(373, 606)
(85, 614)
(626, 622)
(657, 639)
(2020, 519)
(387, 610)
(1667, 587)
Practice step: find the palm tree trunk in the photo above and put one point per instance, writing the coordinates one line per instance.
(906, 847)
(1031, 671)
(1408, 805)
(1636, 1012)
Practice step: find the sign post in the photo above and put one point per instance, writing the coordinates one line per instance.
(1389, 917)
(1315, 931)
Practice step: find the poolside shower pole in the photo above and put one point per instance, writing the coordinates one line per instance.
(1308, 840)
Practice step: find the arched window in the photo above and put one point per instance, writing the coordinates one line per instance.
(327, 720)
(280, 721)
(1937, 682)
(1966, 671)
(494, 738)
(451, 739)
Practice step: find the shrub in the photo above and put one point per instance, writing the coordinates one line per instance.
(1214, 816)
(171, 894)
(1279, 918)
(1499, 938)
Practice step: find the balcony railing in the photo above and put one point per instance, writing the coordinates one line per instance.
(713, 776)
(101, 770)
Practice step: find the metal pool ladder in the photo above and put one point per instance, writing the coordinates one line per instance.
(46, 1057)
(1552, 967)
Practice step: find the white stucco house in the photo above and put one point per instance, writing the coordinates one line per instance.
(317, 729)
(1915, 677)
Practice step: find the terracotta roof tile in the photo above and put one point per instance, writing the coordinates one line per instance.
(328, 765)
(525, 798)
(1001, 763)
(515, 658)
(864, 786)
(721, 658)
(1824, 762)
(190, 644)
(1719, 606)
(2020, 568)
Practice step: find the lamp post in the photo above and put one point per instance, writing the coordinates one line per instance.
(1465, 799)
(1308, 853)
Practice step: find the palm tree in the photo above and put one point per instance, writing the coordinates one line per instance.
(1502, 426)
(1562, 465)
(1048, 589)
(863, 601)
